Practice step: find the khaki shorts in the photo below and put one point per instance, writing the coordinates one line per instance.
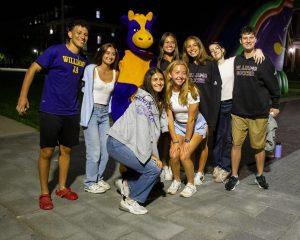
(257, 129)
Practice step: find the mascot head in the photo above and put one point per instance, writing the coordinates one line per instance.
(139, 37)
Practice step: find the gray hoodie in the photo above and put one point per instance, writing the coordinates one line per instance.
(139, 127)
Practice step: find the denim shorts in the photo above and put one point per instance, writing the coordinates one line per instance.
(200, 127)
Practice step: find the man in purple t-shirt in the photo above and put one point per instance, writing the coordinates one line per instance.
(59, 107)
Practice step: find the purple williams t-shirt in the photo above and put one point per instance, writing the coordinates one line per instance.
(63, 72)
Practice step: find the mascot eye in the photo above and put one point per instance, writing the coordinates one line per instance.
(135, 30)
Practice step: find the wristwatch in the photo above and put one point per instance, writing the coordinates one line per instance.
(187, 140)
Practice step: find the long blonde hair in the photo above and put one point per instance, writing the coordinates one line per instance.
(188, 85)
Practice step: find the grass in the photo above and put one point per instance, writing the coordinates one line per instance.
(11, 83)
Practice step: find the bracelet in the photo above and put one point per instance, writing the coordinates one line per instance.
(176, 141)
(187, 140)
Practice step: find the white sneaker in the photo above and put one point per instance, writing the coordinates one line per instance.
(198, 179)
(122, 187)
(168, 174)
(162, 174)
(175, 186)
(216, 171)
(223, 174)
(95, 188)
(129, 205)
(103, 184)
(189, 190)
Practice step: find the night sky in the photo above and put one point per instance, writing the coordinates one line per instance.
(213, 20)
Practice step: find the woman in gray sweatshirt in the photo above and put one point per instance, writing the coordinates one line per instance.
(132, 141)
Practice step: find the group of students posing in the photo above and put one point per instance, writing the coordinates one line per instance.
(180, 116)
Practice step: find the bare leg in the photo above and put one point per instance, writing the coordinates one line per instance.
(203, 156)
(64, 164)
(260, 161)
(187, 162)
(175, 166)
(235, 159)
(188, 166)
(44, 168)
(203, 159)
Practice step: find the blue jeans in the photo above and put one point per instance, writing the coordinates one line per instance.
(95, 136)
(142, 176)
(223, 138)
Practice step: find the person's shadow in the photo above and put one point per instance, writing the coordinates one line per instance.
(77, 166)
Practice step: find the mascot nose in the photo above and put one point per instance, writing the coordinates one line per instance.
(142, 39)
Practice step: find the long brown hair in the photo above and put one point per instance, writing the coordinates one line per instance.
(176, 54)
(147, 86)
(101, 51)
(202, 58)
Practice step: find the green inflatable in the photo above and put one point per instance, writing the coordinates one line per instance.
(283, 82)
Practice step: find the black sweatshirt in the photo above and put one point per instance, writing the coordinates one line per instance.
(207, 79)
(256, 88)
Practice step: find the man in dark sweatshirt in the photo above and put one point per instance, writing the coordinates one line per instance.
(256, 94)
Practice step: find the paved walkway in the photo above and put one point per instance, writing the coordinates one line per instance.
(10, 127)
(248, 213)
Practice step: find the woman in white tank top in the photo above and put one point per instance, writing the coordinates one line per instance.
(99, 81)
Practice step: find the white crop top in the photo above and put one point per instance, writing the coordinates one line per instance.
(181, 111)
(102, 90)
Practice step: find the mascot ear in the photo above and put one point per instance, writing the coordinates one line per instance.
(149, 16)
(130, 15)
